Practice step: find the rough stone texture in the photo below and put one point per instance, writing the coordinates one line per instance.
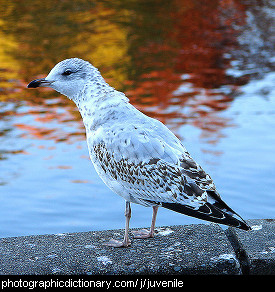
(256, 248)
(190, 249)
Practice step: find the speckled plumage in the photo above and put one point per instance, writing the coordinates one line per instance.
(136, 156)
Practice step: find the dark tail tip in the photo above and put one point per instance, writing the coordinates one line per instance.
(244, 226)
(211, 213)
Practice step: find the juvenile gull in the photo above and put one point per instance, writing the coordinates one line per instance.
(136, 156)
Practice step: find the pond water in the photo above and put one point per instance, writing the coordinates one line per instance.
(204, 68)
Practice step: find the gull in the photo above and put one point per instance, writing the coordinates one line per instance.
(137, 156)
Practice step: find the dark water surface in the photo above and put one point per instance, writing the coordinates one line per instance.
(204, 68)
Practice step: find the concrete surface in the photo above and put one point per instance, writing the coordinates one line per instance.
(256, 249)
(188, 249)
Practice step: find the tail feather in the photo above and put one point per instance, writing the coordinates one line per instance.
(209, 212)
(215, 210)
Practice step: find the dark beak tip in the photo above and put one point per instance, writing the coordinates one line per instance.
(34, 84)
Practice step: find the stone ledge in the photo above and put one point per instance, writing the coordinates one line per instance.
(255, 249)
(187, 249)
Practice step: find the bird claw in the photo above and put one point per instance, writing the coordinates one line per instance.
(117, 243)
(143, 233)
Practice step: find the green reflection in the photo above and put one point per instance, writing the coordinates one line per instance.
(125, 39)
(143, 48)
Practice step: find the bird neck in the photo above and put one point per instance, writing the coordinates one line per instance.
(98, 103)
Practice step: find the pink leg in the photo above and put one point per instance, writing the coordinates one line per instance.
(126, 241)
(144, 233)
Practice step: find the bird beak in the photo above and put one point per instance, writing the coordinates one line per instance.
(39, 83)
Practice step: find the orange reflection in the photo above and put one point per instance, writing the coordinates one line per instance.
(195, 45)
(166, 55)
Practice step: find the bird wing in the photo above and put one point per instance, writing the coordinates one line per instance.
(152, 165)
(154, 168)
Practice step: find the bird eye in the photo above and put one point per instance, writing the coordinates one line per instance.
(67, 72)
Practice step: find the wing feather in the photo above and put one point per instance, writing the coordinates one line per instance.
(151, 168)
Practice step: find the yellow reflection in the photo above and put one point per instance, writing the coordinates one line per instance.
(142, 48)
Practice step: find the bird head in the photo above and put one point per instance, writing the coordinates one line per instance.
(68, 77)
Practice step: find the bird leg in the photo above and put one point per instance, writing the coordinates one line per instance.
(144, 233)
(126, 241)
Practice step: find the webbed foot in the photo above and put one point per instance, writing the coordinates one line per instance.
(143, 233)
(117, 243)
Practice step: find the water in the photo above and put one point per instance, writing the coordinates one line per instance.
(210, 80)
